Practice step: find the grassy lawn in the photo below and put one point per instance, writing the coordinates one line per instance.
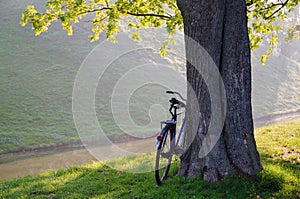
(279, 147)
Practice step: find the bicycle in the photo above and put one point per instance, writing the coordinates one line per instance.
(167, 144)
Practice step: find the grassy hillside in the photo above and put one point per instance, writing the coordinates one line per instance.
(279, 147)
(276, 85)
(36, 79)
(36, 82)
(37, 76)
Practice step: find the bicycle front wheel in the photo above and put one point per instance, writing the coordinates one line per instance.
(163, 155)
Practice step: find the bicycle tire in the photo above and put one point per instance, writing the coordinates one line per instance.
(164, 156)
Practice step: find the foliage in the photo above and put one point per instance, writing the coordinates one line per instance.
(280, 178)
(108, 15)
(268, 19)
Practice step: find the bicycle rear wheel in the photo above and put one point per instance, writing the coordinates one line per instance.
(164, 155)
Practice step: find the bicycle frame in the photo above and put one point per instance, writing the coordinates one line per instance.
(170, 125)
(164, 149)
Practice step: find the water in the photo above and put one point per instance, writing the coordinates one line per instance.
(37, 165)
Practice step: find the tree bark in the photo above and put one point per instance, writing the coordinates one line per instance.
(220, 27)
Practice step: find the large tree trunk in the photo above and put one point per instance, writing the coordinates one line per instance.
(220, 27)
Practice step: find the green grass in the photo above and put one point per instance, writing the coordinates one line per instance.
(279, 147)
(279, 179)
(36, 80)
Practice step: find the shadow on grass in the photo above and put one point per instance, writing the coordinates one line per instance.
(280, 179)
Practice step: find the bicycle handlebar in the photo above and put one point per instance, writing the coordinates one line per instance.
(174, 92)
(175, 102)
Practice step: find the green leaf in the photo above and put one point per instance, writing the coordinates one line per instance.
(263, 21)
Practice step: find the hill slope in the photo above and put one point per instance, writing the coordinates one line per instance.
(37, 76)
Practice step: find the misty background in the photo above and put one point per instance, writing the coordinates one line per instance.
(37, 76)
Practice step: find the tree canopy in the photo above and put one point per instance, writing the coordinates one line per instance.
(109, 15)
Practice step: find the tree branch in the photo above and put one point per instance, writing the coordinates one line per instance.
(94, 10)
(129, 13)
(279, 4)
(250, 3)
(272, 5)
(107, 5)
(149, 14)
(282, 4)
